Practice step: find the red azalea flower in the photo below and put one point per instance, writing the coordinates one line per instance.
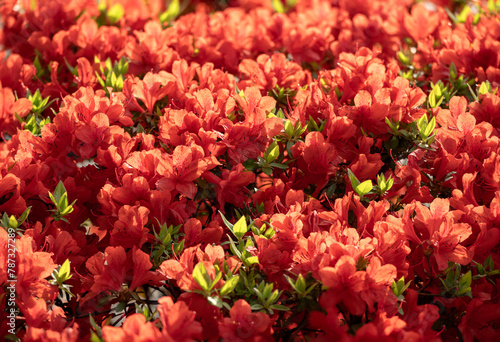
(420, 318)
(243, 325)
(134, 329)
(247, 139)
(151, 49)
(377, 282)
(178, 321)
(69, 334)
(266, 72)
(109, 272)
(272, 260)
(370, 113)
(9, 107)
(421, 23)
(440, 234)
(207, 314)
(194, 234)
(32, 269)
(181, 270)
(345, 285)
(232, 187)
(153, 88)
(93, 135)
(130, 228)
(10, 195)
(481, 321)
(185, 166)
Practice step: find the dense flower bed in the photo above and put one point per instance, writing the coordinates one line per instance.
(250, 170)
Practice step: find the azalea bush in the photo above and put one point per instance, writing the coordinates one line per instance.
(250, 170)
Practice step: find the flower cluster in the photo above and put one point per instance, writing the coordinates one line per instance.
(250, 170)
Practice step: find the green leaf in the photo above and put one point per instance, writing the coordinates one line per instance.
(272, 152)
(489, 263)
(229, 285)
(124, 68)
(288, 129)
(450, 279)
(267, 170)
(62, 203)
(473, 93)
(64, 272)
(422, 123)
(218, 277)
(113, 80)
(403, 58)
(381, 180)
(101, 81)
(267, 290)
(24, 215)
(70, 68)
(179, 247)
(256, 307)
(300, 284)
(400, 284)
(93, 324)
(226, 222)
(5, 220)
(115, 13)
(364, 188)
(453, 72)
(300, 131)
(313, 124)
(166, 239)
(38, 67)
(201, 276)
(389, 183)
(68, 210)
(432, 99)
(172, 11)
(12, 222)
(273, 297)
(481, 269)
(240, 228)
(491, 6)
(259, 294)
(485, 88)
(280, 166)
(215, 301)
(354, 180)
(59, 191)
(465, 282)
(462, 17)
(430, 127)
(269, 233)
(291, 282)
(52, 198)
(234, 249)
(95, 338)
(406, 286)
(278, 6)
(252, 260)
(140, 129)
(120, 307)
(280, 307)
(394, 288)
(119, 83)
(147, 312)
(31, 125)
